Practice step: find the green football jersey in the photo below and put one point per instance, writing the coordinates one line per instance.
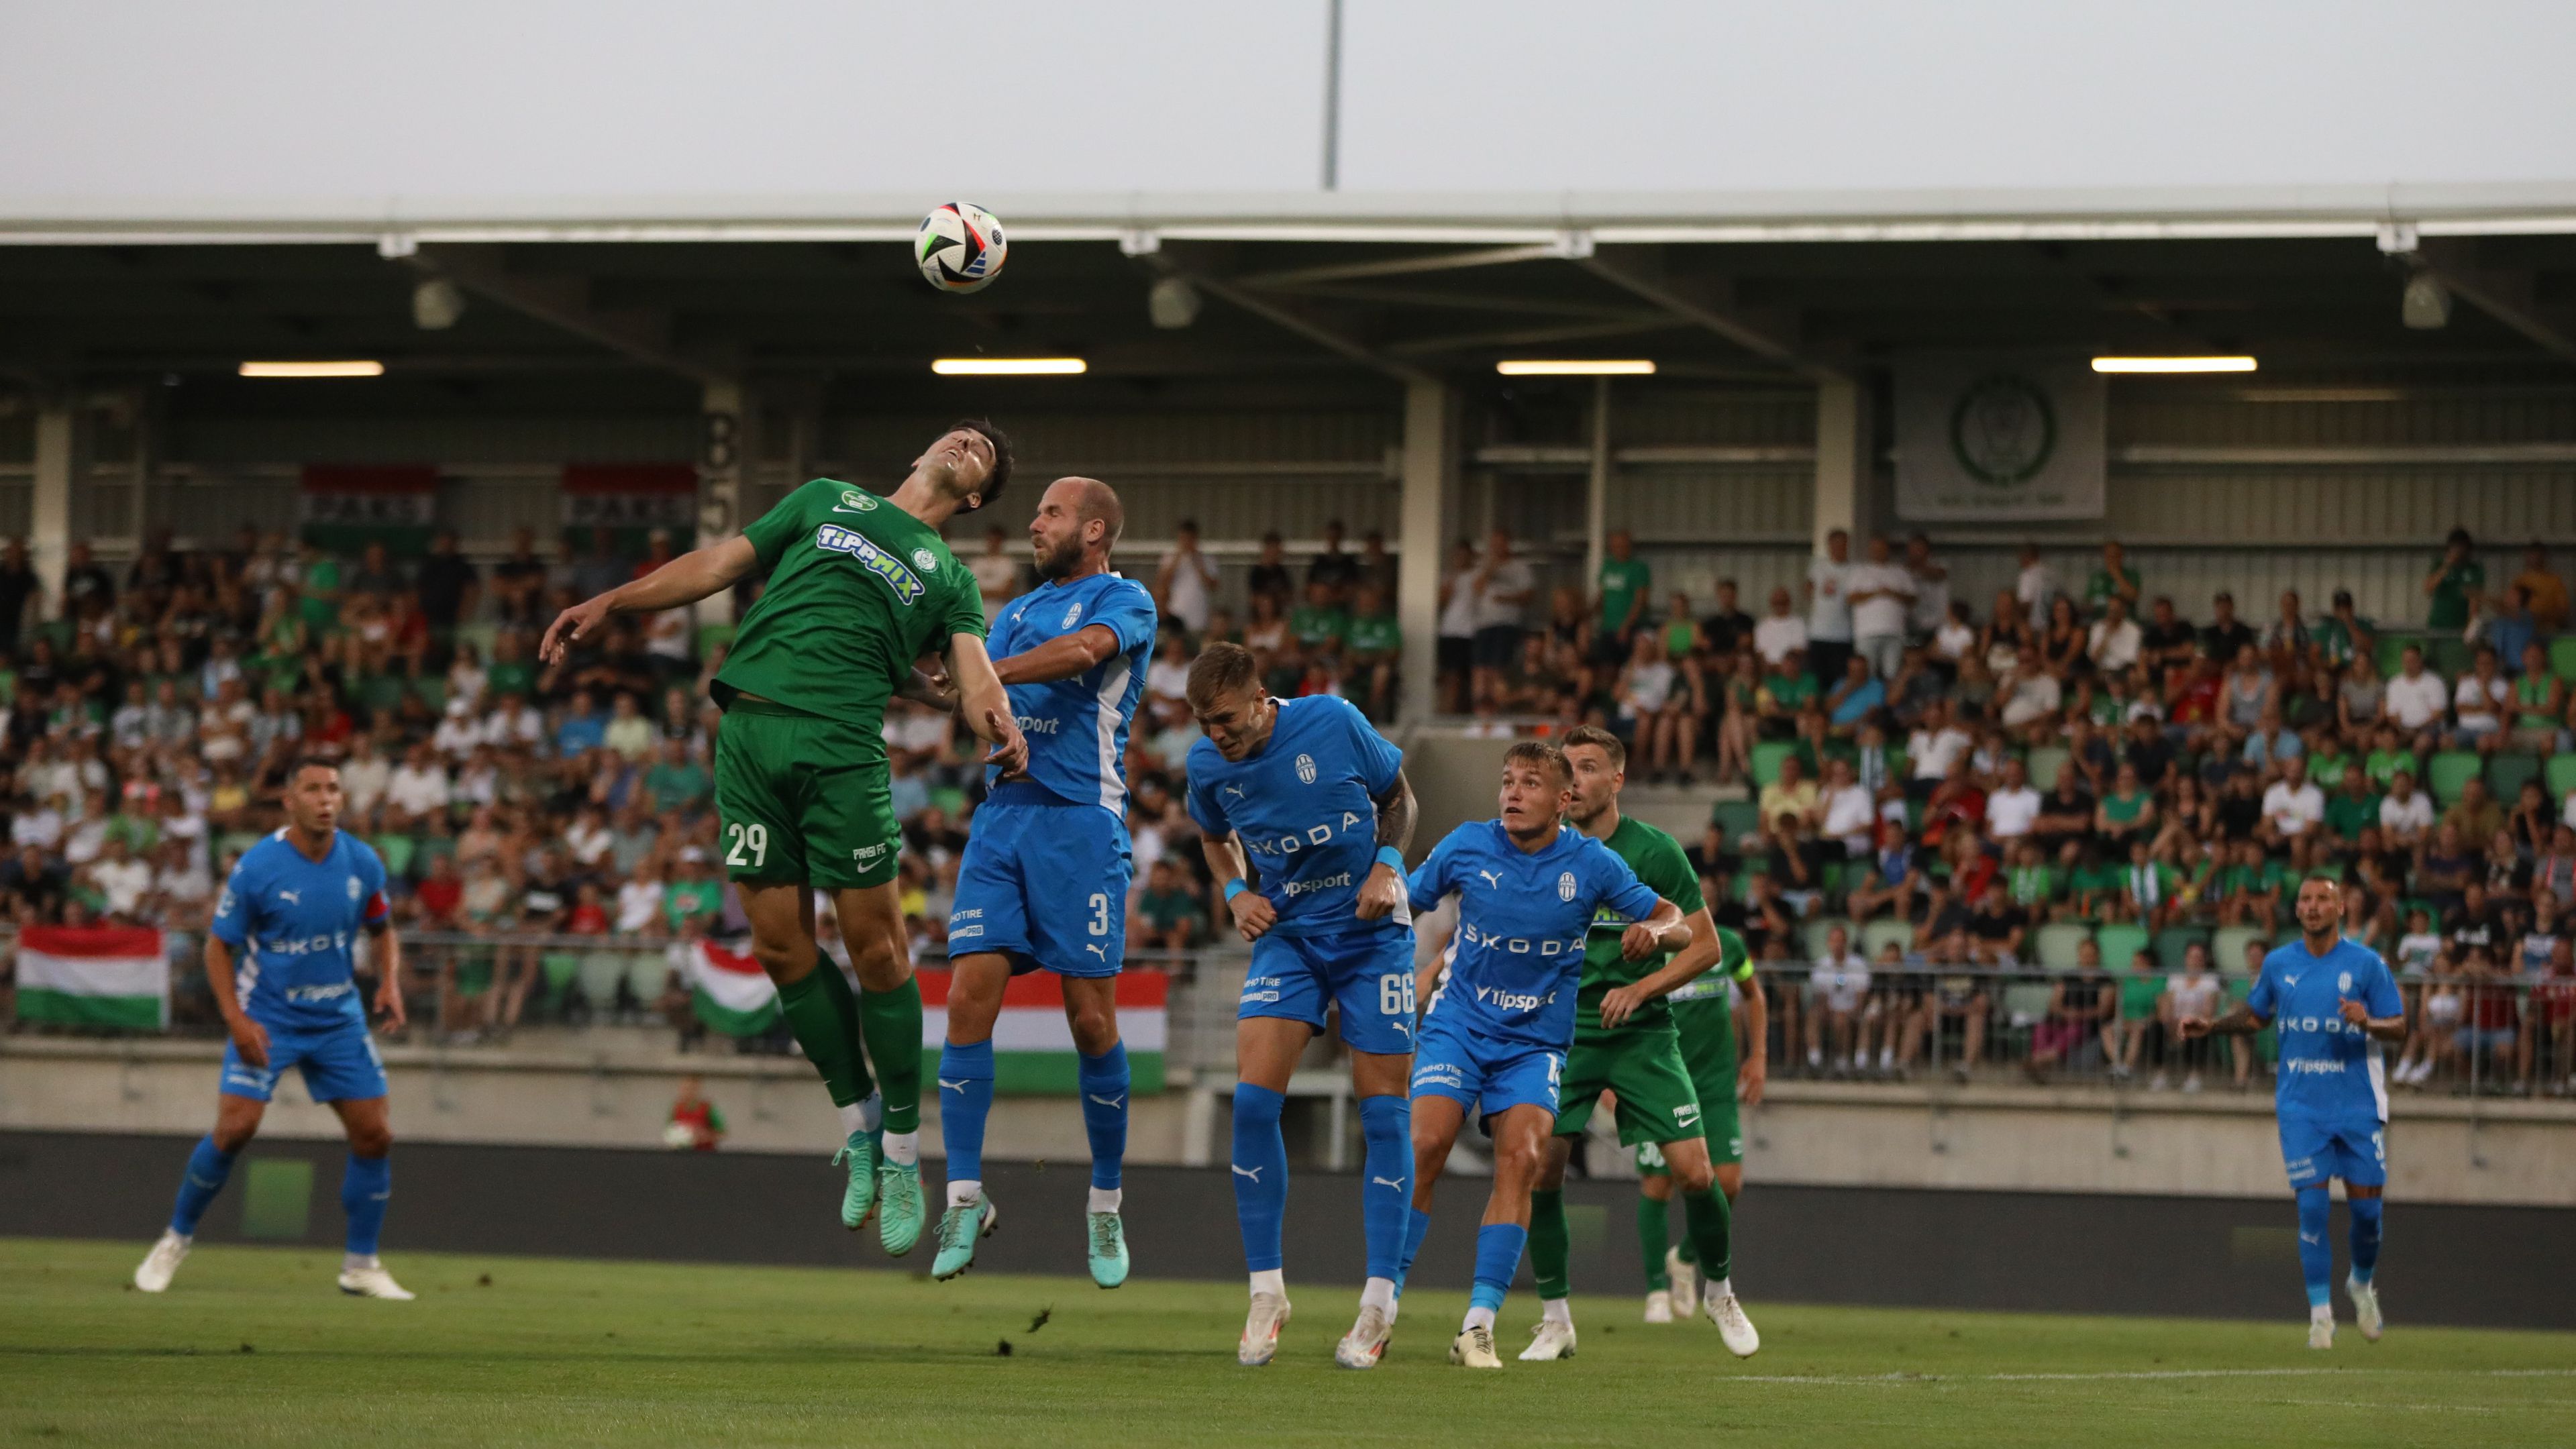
(858, 590)
(1373, 634)
(1658, 861)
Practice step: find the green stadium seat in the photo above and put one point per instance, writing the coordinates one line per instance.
(2561, 774)
(2058, 943)
(2392, 655)
(1815, 934)
(1735, 819)
(2026, 1002)
(2562, 657)
(2507, 774)
(2173, 941)
(2120, 942)
(2227, 948)
(645, 973)
(599, 972)
(2043, 764)
(1875, 936)
(2448, 772)
(1767, 756)
(1831, 879)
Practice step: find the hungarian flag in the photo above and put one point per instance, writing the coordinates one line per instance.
(347, 507)
(94, 976)
(631, 500)
(1033, 1050)
(731, 992)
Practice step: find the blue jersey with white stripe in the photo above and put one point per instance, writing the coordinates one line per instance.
(1517, 955)
(2329, 1069)
(1305, 808)
(1077, 727)
(293, 923)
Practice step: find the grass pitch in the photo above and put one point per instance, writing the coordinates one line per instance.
(254, 1346)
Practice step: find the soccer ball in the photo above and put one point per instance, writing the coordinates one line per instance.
(959, 247)
(678, 1136)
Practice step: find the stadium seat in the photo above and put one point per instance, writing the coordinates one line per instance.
(2448, 772)
(1767, 756)
(1735, 819)
(1815, 935)
(2043, 764)
(2025, 1002)
(2506, 775)
(2227, 949)
(2059, 941)
(2561, 775)
(598, 974)
(645, 973)
(2173, 941)
(2119, 943)
(1875, 937)
(2562, 657)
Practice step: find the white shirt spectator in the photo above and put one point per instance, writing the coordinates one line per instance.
(42, 826)
(1776, 635)
(2113, 649)
(363, 780)
(2480, 703)
(1167, 681)
(588, 840)
(670, 634)
(124, 883)
(2033, 696)
(525, 728)
(1953, 640)
(915, 731)
(188, 885)
(1494, 607)
(1191, 579)
(2417, 701)
(1932, 755)
(1892, 588)
(458, 734)
(2294, 811)
(2011, 813)
(1850, 816)
(1841, 983)
(1829, 614)
(224, 732)
(2035, 585)
(1650, 688)
(418, 789)
(1458, 616)
(1931, 608)
(465, 680)
(2408, 817)
(639, 903)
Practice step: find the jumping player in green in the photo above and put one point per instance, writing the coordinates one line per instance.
(860, 587)
(1624, 1041)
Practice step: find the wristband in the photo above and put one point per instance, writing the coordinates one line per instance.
(1233, 888)
(1391, 858)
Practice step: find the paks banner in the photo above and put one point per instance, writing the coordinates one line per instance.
(630, 500)
(1998, 439)
(347, 507)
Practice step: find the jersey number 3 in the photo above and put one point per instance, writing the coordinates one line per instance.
(1099, 914)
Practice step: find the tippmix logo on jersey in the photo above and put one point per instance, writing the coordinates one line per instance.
(833, 538)
(1305, 769)
(1565, 886)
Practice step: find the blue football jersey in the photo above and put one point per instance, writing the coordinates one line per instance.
(1517, 955)
(293, 924)
(1306, 808)
(2328, 1068)
(1077, 727)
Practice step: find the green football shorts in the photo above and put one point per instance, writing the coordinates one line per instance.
(1644, 1066)
(802, 799)
(1707, 1029)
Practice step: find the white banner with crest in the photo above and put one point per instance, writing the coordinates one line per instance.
(1998, 439)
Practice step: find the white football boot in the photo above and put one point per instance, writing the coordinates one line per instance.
(1365, 1344)
(1474, 1348)
(372, 1281)
(1685, 1281)
(1553, 1339)
(2321, 1329)
(1659, 1307)
(2365, 1307)
(154, 1273)
(1733, 1329)
(1261, 1330)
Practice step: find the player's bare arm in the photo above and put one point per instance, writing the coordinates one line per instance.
(2241, 1021)
(1060, 658)
(2390, 1029)
(1662, 930)
(249, 1037)
(1383, 891)
(389, 998)
(684, 580)
(987, 708)
(1252, 911)
(1621, 1002)
(1754, 1041)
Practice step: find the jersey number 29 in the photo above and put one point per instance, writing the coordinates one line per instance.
(753, 838)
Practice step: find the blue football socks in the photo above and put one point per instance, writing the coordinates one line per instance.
(2367, 1215)
(1498, 1258)
(205, 1176)
(965, 1100)
(1260, 1174)
(2316, 1258)
(365, 1188)
(1103, 1080)
(1386, 1199)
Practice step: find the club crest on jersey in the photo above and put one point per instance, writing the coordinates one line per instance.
(1305, 769)
(1565, 886)
(889, 570)
(1072, 614)
(924, 560)
(353, 887)
(2343, 982)
(853, 501)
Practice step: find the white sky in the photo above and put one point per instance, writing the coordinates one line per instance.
(281, 106)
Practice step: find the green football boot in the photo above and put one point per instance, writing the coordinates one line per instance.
(898, 1206)
(1108, 1250)
(862, 1154)
(959, 1230)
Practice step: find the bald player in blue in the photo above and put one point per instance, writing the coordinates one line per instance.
(2335, 1004)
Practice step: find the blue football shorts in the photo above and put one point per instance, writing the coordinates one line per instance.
(1367, 971)
(2314, 1149)
(1045, 885)
(339, 1063)
(1486, 1076)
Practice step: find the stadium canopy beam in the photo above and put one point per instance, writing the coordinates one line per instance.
(565, 304)
(2510, 297)
(1408, 266)
(1701, 306)
(1628, 326)
(1289, 319)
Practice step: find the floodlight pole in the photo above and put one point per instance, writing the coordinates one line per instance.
(1596, 491)
(1332, 94)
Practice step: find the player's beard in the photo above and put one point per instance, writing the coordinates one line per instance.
(1056, 562)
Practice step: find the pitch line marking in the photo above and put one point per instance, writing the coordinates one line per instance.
(1900, 1380)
